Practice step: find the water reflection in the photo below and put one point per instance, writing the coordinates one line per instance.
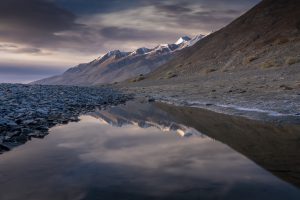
(135, 152)
(273, 146)
(118, 117)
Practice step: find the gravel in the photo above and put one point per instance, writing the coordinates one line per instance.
(271, 94)
(28, 111)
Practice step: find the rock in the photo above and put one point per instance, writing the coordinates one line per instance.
(22, 110)
(151, 99)
(26, 131)
(3, 148)
(6, 122)
(12, 134)
(285, 87)
(30, 110)
(11, 123)
(29, 122)
(42, 111)
(42, 128)
(21, 138)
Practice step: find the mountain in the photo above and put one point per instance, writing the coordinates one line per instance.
(182, 40)
(116, 66)
(249, 67)
(266, 37)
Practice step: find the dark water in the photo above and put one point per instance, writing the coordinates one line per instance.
(156, 151)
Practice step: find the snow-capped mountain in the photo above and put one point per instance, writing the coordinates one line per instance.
(116, 66)
(183, 39)
(140, 51)
(184, 42)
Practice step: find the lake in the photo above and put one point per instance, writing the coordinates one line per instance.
(156, 151)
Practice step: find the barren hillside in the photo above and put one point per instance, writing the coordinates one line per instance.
(267, 36)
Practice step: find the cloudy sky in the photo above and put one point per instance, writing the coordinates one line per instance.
(39, 38)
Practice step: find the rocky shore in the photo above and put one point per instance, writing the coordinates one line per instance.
(272, 95)
(28, 111)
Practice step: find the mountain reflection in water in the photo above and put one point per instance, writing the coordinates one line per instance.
(137, 152)
(161, 123)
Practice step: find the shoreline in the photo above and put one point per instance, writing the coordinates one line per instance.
(268, 95)
(29, 111)
(234, 110)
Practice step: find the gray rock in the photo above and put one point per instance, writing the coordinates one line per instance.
(151, 99)
(30, 110)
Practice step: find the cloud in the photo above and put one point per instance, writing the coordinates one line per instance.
(29, 50)
(101, 6)
(3, 46)
(208, 20)
(60, 24)
(175, 9)
(202, 15)
(123, 33)
(152, 24)
(29, 70)
(57, 30)
(42, 25)
(33, 21)
(26, 74)
(11, 48)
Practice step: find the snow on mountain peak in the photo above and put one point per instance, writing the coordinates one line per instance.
(116, 53)
(181, 43)
(164, 48)
(140, 51)
(195, 39)
(164, 45)
(182, 40)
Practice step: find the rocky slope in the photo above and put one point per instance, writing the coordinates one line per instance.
(116, 66)
(266, 37)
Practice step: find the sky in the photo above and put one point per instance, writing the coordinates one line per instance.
(40, 38)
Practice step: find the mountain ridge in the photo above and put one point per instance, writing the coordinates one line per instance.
(116, 65)
(266, 36)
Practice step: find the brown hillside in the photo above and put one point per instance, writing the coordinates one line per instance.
(267, 36)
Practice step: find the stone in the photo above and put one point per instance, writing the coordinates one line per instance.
(151, 99)
(28, 122)
(3, 148)
(11, 123)
(30, 110)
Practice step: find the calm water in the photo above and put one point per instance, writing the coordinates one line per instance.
(155, 151)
